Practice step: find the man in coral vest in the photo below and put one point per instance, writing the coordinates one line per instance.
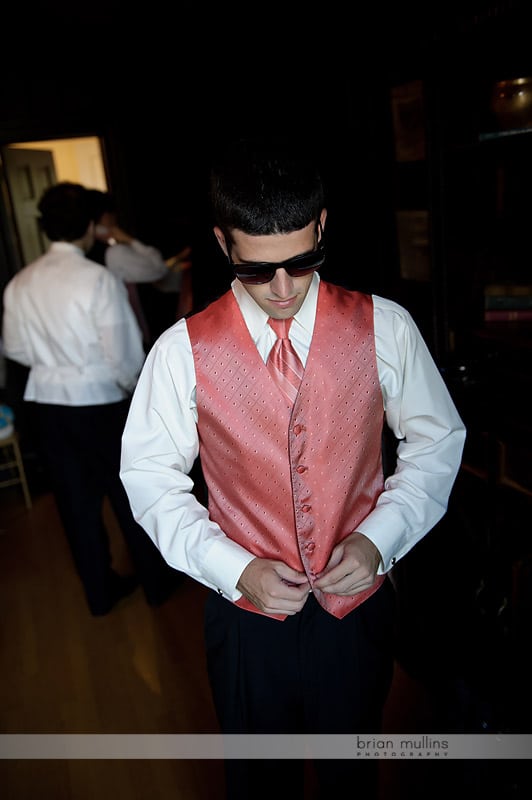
(302, 528)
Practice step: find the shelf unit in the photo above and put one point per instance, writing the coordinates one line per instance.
(482, 217)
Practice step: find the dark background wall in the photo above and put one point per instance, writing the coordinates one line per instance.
(164, 86)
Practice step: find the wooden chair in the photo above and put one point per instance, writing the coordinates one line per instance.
(11, 463)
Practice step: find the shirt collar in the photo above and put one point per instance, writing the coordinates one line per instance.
(66, 247)
(256, 319)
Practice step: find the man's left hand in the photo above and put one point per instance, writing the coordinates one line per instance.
(352, 567)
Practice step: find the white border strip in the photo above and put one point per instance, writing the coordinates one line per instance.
(404, 747)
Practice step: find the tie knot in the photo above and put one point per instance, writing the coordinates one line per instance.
(280, 326)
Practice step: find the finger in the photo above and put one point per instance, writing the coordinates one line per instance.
(286, 609)
(332, 577)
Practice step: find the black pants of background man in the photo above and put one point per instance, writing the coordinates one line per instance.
(80, 447)
(311, 674)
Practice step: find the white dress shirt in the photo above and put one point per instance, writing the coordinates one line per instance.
(135, 262)
(70, 321)
(160, 443)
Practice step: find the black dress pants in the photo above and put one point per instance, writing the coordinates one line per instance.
(80, 447)
(311, 673)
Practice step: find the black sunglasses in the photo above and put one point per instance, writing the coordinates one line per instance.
(259, 272)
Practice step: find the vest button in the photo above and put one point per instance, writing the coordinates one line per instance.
(301, 470)
(310, 547)
(298, 429)
(306, 509)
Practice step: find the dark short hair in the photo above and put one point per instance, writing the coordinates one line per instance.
(264, 186)
(66, 211)
(102, 203)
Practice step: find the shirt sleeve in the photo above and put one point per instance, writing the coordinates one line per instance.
(15, 343)
(118, 331)
(159, 448)
(431, 435)
(135, 262)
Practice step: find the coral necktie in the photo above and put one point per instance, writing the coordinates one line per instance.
(283, 362)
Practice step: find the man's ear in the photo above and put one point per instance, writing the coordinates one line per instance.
(86, 241)
(323, 217)
(220, 238)
(90, 233)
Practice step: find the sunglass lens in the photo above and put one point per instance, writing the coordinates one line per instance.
(301, 265)
(255, 276)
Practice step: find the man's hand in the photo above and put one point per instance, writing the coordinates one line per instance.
(352, 567)
(273, 587)
(119, 235)
(182, 261)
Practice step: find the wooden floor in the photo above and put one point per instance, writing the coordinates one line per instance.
(136, 670)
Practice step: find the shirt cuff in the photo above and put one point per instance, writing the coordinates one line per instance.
(223, 566)
(391, 544)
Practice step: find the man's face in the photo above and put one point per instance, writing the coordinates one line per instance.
(106, 223)
(283, 296)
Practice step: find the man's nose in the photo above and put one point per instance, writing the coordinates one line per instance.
(282, 283)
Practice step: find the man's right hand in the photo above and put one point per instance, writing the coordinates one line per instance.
(273, 587)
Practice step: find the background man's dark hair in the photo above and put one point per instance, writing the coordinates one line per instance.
(66, 211)
(102, 203)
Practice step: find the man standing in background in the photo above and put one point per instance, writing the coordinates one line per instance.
(68, 320)
(159, 290)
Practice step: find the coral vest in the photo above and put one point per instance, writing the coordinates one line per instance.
(290, 484)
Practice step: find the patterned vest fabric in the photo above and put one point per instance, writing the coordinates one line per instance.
(290, 484)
